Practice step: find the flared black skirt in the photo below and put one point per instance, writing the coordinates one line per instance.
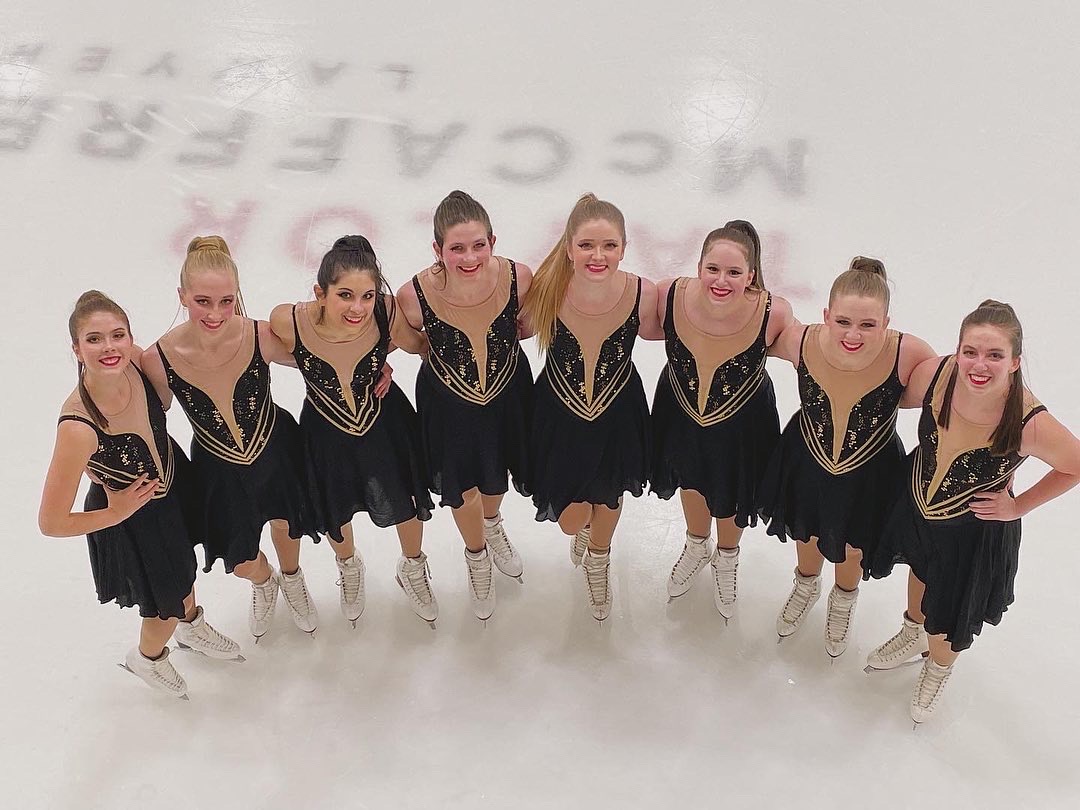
(725, 462)
(148, 560)
(232, 502)
(381, 472)
(469, 446)
(968, 566)
(577, 461)
(800, 499)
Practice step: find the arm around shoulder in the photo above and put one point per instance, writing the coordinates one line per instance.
(788, 342)
(650, 328)
(281, 324)
(152, 366)
(918, 382)
(409, 305)
(273, 350)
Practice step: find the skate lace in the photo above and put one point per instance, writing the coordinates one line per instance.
(213, 639)
(839, 618)
(690, 561)
(797, 602)
(581, 541)
(724, 576)
(261, 603)
(898, 643)
(350, 580)
(418, 574)
(296, 594)
(931, 680)
(496, 538)
(480, 576)
(596, 577)
(163, 671)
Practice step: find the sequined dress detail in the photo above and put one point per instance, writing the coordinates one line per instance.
(474, 393)
(591, 436)
(839, 463)
(146, 560)
(361, 452)
(968, 564)
(247, 452)
(714, 417)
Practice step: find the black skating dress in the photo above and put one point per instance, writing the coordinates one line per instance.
(714, 419)
(148, 559)
(839, 464)
(362, 453)
(967, 564)
(474, 393)
(247, 453)
(590, 439)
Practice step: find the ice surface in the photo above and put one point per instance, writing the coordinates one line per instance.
(940, 137)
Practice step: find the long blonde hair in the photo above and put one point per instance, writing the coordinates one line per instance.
(552, 277)
(210, 253)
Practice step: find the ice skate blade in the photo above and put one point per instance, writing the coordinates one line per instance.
(869, 670)
(236, 659)
(126, 667)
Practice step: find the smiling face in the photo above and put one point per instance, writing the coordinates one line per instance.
(210, 299)
(724, 272)
(857, 324)
(985, 359)
(349, 302)
(103, 344)
(466, 248)
(595, 250)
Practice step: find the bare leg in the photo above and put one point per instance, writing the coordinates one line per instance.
(728, 534)
(492, 503)
(941, 651)
(696, 513)
(190, 606)
(603, 523)
(469, 518)
(288, 549)
(410, 536)
(915, 591)
(154, 635)
(256, 571)
(811, 559)
(849, 572)
(575, 517)
(343, 550)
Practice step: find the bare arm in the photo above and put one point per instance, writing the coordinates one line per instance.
(154, 369)
(914, 352)
(281, 325)
(273, 350)
(409, 305)
(524, 283)
(402, 333)
(662, 288)
(75, 443)
(787, 344)
(1050, 441)
(919, 381)
(649, 328)
(781, 318)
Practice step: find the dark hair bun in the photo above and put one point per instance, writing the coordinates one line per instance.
(354, 242)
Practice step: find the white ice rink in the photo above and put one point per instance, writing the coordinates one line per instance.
(941, 137)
